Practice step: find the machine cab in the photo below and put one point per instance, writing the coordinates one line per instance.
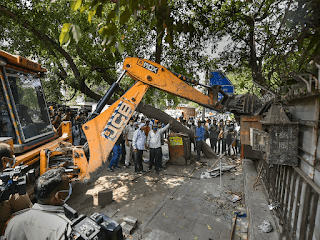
(23, 112)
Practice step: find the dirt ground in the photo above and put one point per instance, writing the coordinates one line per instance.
(133, 194)
(138, 195)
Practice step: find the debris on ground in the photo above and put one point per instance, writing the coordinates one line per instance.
(105, 197)
(210, 197)
(223, 168)
(265, 226)
(165, 159)
(206, 175)
(240, 214)
(273, 205)
(234, 198)
(126, 228)
(216, 171)
(131, 221)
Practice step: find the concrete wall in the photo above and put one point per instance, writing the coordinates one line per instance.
(306, 112)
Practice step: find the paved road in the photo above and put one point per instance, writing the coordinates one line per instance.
(197, 209)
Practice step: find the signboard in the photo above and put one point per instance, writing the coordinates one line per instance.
(176, 141)
(219, 78)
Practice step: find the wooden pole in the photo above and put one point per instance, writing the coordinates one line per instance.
(234, 224)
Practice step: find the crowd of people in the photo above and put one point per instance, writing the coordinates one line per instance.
(143, 134)
(131, 143)
(52, 189)
(139, 135)
(223, 135)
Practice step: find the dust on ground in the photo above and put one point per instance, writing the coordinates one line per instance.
(138, 195)
(133, 194)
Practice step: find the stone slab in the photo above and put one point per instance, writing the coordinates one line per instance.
(131, 221)
(126, 228)
(105, 197)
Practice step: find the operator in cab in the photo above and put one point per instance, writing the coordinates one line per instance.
(15, 202)
(46, 219)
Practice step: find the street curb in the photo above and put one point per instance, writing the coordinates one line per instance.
(257, 204)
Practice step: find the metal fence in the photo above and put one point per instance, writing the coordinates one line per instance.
(298, 197)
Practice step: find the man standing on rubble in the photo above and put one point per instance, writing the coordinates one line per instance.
(139, 144)
(128, 134)
(154, 143)
(199, 137)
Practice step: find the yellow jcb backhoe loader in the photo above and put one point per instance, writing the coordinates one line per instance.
(26, 125)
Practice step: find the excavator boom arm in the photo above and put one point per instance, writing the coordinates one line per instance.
(155, 75)
(104, 130)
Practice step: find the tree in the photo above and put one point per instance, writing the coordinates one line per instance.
(86, 65)
(32, 29)
(267, 37)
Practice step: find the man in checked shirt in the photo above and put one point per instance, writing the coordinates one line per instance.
(154, 143)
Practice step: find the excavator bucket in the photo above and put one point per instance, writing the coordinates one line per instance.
(104, 130)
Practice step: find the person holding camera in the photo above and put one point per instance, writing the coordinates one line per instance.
(46, 219)
(15, 202)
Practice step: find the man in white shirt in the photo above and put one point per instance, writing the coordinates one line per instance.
(128, 134)
(154, 143)
(139, 144)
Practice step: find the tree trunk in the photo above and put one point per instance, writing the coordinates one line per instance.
(81, 85)
(176, 126)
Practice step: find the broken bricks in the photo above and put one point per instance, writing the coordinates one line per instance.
(129, 224)
(216, 171)
(105, 197)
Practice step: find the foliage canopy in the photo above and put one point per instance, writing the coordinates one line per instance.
(83, 42)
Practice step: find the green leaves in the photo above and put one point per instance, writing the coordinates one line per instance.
(76, 32)
(124, 17)
(65, 36)
(75, 5)
(99, 11)
(90, 15)
(108, 30)
(121, 47)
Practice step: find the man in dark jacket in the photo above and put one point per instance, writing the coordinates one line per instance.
(228, 132)
(213, 135)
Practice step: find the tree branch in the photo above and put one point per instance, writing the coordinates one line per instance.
(42, 37)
